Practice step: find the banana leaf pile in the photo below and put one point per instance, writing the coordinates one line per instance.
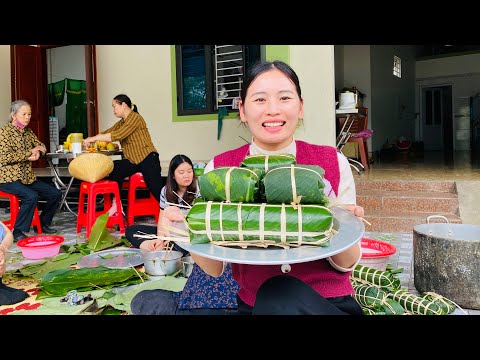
(37, 270)
(268, 162)
(231, 184)
(59, 282)
(237, 224)
(295, 184)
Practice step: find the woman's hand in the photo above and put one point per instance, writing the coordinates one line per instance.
(168, 217)
(355, 209)
(35, 155)
(3, 262)
(152, 245)
(173, 213)
(88, 141)
(40, 148)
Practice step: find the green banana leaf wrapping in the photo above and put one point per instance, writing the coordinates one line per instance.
(237, 224)
(383, 279)
(371, 296)
(416, 304)
(268, 162)
(59, 282)
(295, 184)
(231, 184)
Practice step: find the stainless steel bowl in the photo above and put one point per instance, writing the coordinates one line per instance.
(161, 262)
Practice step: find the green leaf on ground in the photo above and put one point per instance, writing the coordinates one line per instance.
(386, 237)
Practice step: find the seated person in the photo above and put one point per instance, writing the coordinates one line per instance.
(139, 153)
(203, 294)
(19, 148)
(8, 295)
(181, 188)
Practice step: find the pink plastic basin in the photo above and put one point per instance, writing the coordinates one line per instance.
(40, 246)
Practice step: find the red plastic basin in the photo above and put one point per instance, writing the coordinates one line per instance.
(376, 248)
(40, 246)
(376, 253)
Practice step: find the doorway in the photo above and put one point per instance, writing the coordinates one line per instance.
(437, 118)
(29, 81)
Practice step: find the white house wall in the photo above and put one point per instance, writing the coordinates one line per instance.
(143, 72)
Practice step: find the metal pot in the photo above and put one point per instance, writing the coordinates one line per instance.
(161, 262)
(447, 261)
(187, 265)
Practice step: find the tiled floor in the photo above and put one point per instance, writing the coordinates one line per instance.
(65, 223)
(428, 167)
(434, 165)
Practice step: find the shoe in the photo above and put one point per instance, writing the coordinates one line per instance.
(48, 230)
(18, 235)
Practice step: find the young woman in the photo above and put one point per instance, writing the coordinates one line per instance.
(272, 106)
(181, 189)
(19, 147)
(139, 152)
(202, 294)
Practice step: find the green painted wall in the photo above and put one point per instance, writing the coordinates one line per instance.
(278, 52)
(272, 52)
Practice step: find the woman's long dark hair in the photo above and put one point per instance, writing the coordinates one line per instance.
(122, 98)
(172, 185)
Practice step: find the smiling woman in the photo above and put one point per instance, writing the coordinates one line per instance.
(272, 106)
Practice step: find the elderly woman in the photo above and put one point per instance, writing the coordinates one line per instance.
(19, 147)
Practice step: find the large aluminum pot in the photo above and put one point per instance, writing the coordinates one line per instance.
(447, 261)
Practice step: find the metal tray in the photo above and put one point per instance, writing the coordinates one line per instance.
(350, 230)
(120, 259)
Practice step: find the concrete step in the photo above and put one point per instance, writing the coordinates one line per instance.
(402, 221)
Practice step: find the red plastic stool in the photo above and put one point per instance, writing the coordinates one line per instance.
(14, 208)
(139, 207)
(90, 191)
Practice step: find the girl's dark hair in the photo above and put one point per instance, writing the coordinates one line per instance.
(172, 185)
(122, 98)
(261, 67)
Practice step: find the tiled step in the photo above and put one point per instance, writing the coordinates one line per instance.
(399, 205)
(394, 221)
(408, 200)
(404, 185)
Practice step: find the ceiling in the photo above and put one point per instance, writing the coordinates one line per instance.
(444, 50)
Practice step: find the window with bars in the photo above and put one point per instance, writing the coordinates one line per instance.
(211, 76)
(397, 66)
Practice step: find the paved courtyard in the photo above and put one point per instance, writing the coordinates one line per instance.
(65, 222)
